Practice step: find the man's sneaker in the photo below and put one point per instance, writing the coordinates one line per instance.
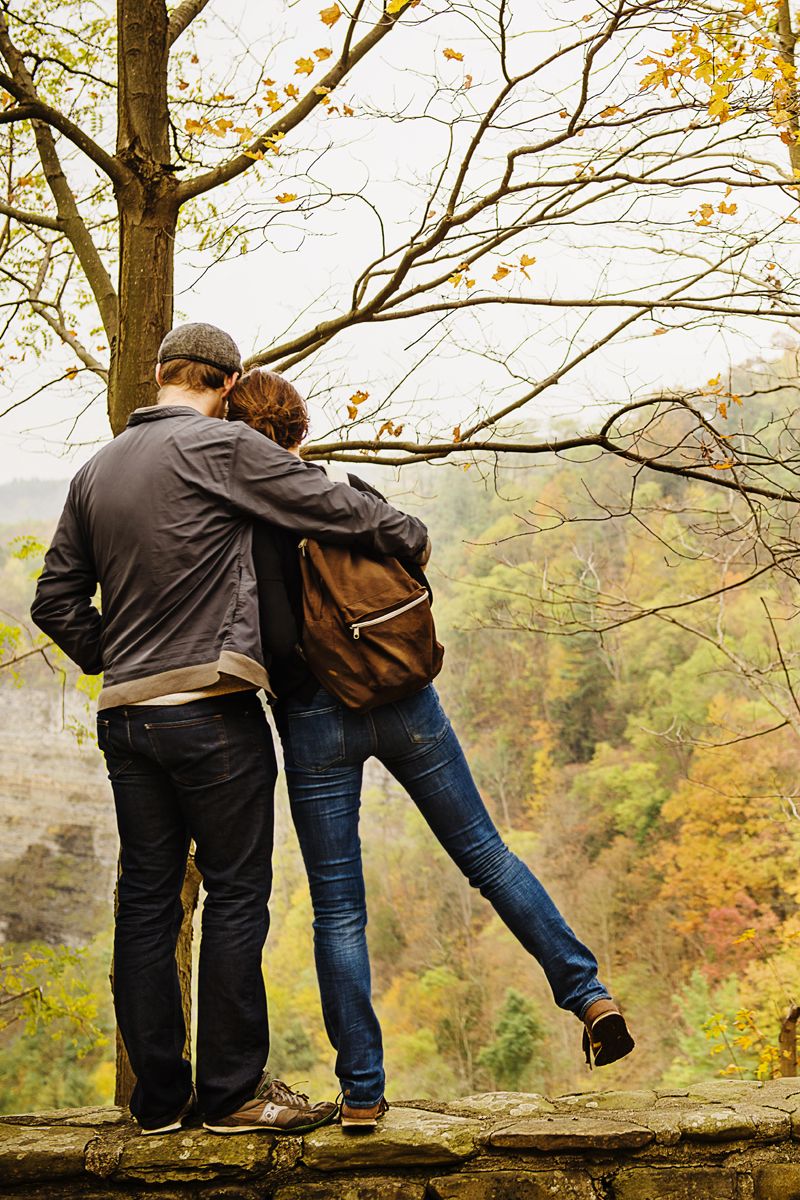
(364, 1119)
(176, 1123)
(276, 1109)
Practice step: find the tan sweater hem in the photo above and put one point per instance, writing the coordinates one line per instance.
(185, 679)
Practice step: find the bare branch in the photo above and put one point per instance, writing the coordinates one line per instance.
(242, 162)
(29, 218)
(181, 18)
(34, 109)
(69, 214)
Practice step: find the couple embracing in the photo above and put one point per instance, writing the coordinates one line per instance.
(190, 524)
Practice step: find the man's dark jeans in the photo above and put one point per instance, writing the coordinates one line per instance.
(204, 771)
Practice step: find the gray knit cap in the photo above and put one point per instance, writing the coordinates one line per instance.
(202, 343)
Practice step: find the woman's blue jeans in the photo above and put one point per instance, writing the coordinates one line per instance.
(325, 747)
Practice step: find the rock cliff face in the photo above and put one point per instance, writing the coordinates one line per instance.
(722, 1140)
(58, 842)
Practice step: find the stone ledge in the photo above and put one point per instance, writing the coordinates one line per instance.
(722, 1140)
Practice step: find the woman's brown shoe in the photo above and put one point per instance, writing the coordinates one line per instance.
(364, 1119)
(606, 1037)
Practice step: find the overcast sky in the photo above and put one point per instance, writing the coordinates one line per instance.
(306, 259)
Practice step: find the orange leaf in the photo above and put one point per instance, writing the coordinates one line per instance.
(359, 397)
(611, 111)
(501, 273)
(286, 197)
(329, 16)
(453, 55)
(323, 53)
(352, 412)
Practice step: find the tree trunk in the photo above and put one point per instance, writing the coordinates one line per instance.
(126, 1080)
(147, 247)
(148, 210)
(787, 1043)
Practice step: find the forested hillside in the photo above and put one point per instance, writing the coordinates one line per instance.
(637, 744)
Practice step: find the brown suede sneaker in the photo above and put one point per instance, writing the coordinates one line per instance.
(175, 1123)
(364, 1119)
(275, 1108)
(606, 1037)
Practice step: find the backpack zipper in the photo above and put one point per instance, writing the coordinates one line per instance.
(359, 625)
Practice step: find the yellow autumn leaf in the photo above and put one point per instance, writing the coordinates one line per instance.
(305, 66)
(455, 279)
(286, 197)
(453, 55)
(292, 90)
(611, 111)
(396, 6)
(321, 90)
(329, 16)
(457, 434)
(527, 260)
(501, 273)
(70, 372)
(722, 409)
(193, 126)
(359, 397)
(470, 283)
(323, 53)
(727, 209)
(349, 112)
(352, 412)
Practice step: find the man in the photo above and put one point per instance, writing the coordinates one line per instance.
(160, 518)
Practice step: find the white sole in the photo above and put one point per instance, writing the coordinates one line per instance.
(164, 1129)
(242, 1128)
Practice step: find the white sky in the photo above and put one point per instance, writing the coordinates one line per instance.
(308, 261)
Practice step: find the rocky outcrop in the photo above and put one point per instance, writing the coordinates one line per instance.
(58, 839)
(722, 1140)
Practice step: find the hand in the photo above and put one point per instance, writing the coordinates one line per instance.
(424, 554)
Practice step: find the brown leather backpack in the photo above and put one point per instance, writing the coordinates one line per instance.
(368, 632)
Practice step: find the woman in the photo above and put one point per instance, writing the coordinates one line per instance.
(325, 747)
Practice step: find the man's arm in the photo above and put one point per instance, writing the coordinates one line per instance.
(272, 485)
(62, 606)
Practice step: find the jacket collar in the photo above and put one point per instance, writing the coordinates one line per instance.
(159, 412)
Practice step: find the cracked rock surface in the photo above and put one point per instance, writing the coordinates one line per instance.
(720, 1140)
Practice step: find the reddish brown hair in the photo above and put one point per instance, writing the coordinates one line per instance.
(192, 375)
(270, 404)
